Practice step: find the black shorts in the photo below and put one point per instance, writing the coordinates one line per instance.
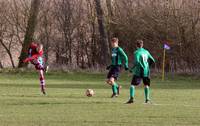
(136, 80)
(114, 72)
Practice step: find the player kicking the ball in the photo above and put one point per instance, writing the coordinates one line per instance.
(35, 56)
(118, 56)
(140, 70)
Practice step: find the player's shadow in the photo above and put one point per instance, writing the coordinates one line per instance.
(69, 102)
(103, 86)
(72, 86)
(36, 103)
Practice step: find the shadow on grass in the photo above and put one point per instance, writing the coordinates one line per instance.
(70, 102)
(104, 86)
(36, 103)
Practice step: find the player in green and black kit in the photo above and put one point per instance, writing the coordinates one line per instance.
(140, 70)
(118, 56)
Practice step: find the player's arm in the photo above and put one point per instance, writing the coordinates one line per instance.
(35, 56)
(31, 58)
(135, 62)
(29, 52)
(151, 60)
(125, 57)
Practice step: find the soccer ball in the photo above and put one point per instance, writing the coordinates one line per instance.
(89, 92)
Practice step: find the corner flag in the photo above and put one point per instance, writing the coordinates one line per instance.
(166, 47)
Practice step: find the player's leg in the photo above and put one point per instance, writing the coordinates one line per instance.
(135, 81)
(46, 68)
(114, 87)
(146, 81)
(39, 64)
(111, 81)
(115, 76)
(112, 77)
(42, 81)
(40, 67)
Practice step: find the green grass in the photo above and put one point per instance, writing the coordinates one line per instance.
(175, 102)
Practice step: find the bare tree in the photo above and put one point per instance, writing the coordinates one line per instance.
(32, 21)
(66, 24)
(7, 39)
(76, 32)
(104, 55)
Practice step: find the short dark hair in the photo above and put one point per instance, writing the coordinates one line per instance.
(114, 39)
(139, 43)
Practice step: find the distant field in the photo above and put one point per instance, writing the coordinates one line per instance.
(175, 102)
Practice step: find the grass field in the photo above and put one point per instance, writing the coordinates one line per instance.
(175, 102)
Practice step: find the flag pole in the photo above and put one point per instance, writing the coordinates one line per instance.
(163, 65)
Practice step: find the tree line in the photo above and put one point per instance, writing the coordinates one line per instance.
(76, 33)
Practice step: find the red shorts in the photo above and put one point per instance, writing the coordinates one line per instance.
(37, 65)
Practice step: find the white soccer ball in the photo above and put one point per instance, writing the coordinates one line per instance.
(89, 92)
